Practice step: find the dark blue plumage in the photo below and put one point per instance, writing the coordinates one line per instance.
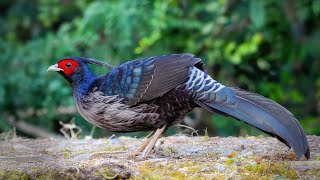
(157, 92)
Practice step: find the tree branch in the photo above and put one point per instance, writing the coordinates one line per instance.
(27, 128)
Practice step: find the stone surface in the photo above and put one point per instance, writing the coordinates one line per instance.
(178, 157)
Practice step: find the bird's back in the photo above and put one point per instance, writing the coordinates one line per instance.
(147, 78)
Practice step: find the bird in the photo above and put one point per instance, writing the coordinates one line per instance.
(154, 93)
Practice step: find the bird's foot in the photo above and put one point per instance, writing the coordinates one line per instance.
(145, 149)
(140, 149)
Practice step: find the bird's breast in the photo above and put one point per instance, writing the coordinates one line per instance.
(108, 112)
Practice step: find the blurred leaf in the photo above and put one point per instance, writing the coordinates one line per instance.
(263, 64)
(257, 13)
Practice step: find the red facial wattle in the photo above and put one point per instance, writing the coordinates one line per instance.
(68, 66)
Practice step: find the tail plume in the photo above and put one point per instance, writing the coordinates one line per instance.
(263, 114)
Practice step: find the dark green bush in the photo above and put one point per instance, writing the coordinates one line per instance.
(270, 47)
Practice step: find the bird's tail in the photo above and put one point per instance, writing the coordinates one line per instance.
(261, 113)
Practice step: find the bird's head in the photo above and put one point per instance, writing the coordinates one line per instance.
(75, 69)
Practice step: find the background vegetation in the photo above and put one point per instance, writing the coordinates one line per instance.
(267, 46)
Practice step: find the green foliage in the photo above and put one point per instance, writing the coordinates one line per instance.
(270, 47)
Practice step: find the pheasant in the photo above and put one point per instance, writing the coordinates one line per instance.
(157, 92)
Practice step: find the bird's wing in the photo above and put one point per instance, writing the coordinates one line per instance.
(147, 78)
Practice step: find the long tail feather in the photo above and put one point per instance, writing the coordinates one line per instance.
(265, 115)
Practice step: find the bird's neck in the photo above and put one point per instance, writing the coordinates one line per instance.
(84, 84)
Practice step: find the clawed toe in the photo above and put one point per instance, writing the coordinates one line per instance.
(144, 150)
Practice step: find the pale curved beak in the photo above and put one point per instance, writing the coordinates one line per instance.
(54, 68)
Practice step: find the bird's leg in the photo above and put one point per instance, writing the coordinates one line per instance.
(152, 142)
(141, 148)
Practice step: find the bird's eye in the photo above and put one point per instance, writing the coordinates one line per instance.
(68, 65)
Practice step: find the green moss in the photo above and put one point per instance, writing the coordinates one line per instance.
(13, 175)
(264, 170)
(194, 169)
(318, 158)
(12, 150)
(147, 172)
(2, 174)
(175, 170)
(170, 167)
(313, 173)
(187, 164)
(153, 171)
(106, 173)
(46, 176)
(177, 175)
(229, 162)
(213, 155)
(167, 151)
(113, 149)
(105, 141)
(66, 153)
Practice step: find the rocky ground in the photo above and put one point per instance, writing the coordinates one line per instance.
(175, 157)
